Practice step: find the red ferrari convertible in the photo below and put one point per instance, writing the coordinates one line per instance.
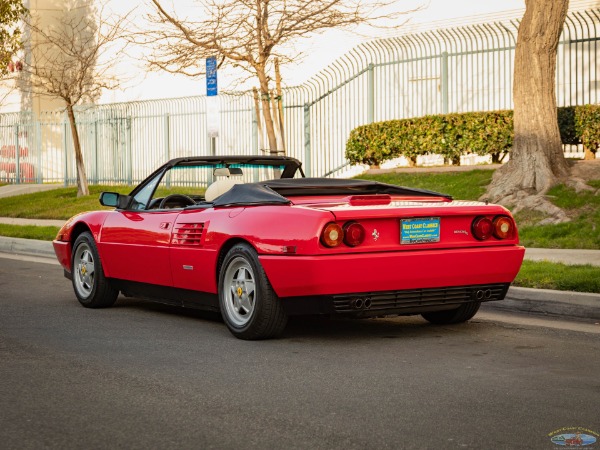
(260, 251)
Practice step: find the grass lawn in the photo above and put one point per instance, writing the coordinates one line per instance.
(561, 277)
(460, 185)
(29, 232)
(582, 232)
(61, 203)
(584, 208)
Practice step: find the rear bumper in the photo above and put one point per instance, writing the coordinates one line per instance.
(305, 276)
(405, 302)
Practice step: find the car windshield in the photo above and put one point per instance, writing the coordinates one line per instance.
(187, 182)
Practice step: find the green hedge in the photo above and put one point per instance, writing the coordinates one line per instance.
(453, 135)
(587, 126)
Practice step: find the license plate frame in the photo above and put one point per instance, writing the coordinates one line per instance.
(420, 230)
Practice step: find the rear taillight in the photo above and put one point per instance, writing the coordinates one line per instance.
(354, 234)
(503, 227)
(332, 235)
(482, 228)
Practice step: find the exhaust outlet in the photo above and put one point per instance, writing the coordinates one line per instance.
(488, 294)
(368, 303)
(479, 295)
(358, 303)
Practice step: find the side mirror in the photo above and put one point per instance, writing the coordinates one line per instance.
(109, 199)
(114, 200)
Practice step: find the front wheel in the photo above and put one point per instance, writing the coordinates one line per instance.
(249, 306)
(91, 287)
(463, 313)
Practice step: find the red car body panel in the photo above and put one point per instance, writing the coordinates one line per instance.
(135, 246)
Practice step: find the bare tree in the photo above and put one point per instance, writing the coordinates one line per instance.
(68, 62)
(248, 34)
(537, 161)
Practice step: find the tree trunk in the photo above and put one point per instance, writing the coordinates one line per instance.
(258, 120)
(266, 109)
(82, 184)
(537, 160)
(588, 154)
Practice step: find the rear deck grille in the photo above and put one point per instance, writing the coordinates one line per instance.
(399, 301)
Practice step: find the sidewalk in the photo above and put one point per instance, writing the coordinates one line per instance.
(11, 190)
(37, 222)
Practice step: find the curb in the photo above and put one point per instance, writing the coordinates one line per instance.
(578, 305)
(29, 247)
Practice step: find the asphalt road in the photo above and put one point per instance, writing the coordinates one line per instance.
(148, 376)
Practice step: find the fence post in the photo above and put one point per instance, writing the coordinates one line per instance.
(37, 125)
(17, 156)
(167, 144)
(167, 136)
(254, 132)
(307, 155)
(66, 154)
(370, 93)
(129, 151)
(95, 178)
(444, 81)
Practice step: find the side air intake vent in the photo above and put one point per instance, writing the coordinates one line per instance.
(188, 234)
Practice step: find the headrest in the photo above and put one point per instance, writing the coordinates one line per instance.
(220, 187)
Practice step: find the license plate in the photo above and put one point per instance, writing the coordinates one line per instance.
(420, 230)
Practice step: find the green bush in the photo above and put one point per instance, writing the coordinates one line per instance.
(453, 135)
(566, 125)
(587, 126)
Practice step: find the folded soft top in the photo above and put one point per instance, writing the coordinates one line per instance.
(277, 191)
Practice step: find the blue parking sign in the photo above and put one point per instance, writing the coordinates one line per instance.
(211, 76)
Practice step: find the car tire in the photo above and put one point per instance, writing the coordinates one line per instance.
(90, 286)
(463, 313)
(249, 306)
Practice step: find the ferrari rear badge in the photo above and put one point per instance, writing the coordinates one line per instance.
(375, 234)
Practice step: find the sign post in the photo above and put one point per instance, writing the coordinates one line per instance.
(212, 103)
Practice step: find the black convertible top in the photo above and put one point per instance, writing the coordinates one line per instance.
(275, 191)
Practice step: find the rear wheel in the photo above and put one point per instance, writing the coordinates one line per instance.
(91, 287)
(249, 306)
(463, 313)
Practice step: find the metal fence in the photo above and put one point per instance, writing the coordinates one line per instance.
(459, 69)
